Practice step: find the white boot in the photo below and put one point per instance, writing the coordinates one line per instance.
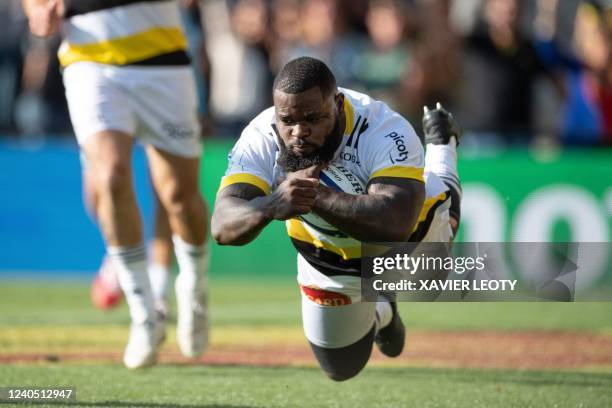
(141, 350)
(192, 318)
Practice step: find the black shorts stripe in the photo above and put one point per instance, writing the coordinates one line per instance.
(76, 7)
(326, 262)
(168, 59)
(423, 227)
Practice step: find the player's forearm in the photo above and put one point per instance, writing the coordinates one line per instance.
(370, 217)
(237, 222)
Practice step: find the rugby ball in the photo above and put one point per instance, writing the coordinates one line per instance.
(338, 178)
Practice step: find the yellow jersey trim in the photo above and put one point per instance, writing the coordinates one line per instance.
(245, 178)
(415, 173)
(296, 230)
(126, 50)
(350, 116)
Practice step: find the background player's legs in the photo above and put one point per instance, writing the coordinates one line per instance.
(109, 154)
(160, 257)
(176, 182)
(106, 291)
(90, 197)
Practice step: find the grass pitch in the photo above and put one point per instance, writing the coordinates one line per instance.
(51, 336)
(201, 386)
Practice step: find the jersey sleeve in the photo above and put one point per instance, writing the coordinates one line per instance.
(251, 160)
(393, 149)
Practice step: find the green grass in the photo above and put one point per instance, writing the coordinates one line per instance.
(276, 303)
(270, 304)
(193, 386)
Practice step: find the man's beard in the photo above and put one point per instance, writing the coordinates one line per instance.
(291, 162)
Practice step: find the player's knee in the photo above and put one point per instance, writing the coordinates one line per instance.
(114, 178)
(341, 364)
(341, 367)
(343, 374)
(178, 200)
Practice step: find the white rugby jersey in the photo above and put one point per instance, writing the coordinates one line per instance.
(377, 142)
(123, 32)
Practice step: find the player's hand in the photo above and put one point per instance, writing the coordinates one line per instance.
(45, 17)
(296, 195)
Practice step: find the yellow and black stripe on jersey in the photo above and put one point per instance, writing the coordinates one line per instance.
(123, 32)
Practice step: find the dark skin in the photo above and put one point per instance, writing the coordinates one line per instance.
(387, 213)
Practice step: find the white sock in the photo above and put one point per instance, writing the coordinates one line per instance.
(442, 161)
(193, 263)
(159, 275)
(384, 312)
(131, 266)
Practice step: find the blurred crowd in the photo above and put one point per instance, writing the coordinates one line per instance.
(512, 71)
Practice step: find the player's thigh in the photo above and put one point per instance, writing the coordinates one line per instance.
(174, 177)
(334, 327)
(333, 314)
(108, 155)
(166, 105)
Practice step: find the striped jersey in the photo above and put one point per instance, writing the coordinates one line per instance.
(377, 142)
(123, 32)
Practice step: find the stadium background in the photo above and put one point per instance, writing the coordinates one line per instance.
(529, 176)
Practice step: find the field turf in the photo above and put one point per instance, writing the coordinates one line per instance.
(457, 355)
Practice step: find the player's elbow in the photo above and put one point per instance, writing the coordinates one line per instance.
(229, 241)
(224, 235)
(219, 237)
(223, 238)
(220, 233)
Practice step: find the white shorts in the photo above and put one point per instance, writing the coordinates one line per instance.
(333, 314)
(156, 105)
